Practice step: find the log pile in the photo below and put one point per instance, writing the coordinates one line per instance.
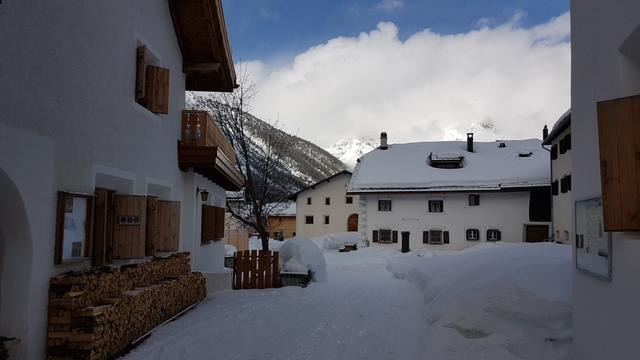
(95, 314)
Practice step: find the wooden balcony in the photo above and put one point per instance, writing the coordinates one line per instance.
(204, 148)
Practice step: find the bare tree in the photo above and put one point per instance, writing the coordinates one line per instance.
(263, 193)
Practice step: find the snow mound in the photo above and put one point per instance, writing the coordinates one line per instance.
(335, 241)
(229, 250)
(504, 301)
(301, 256)
(255, 243)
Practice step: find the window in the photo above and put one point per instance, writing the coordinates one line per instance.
(474, 199)
(349, 200)
(494, 235)
(385, 236)
(565, 184)
(473, 234)
(294, 233)
(436, 206)
(308, 219)
(384, 205)
(565, 144)
(308, 201)
(554, 152)
(435, 236)
(152, 83)
(327, 201)
(554, 188)
(326, 219)
(74, 226)
(540, 204)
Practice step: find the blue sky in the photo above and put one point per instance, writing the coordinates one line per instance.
(272, 30)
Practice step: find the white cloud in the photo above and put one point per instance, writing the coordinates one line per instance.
(427, 87)
(389, 5)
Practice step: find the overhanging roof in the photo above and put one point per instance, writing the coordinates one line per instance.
(558, 128)
(202, 36)
(211, 163)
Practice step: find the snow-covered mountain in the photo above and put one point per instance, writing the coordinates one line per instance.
(305, 163)
(348, 151)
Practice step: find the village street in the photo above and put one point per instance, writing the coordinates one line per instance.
(364, 311)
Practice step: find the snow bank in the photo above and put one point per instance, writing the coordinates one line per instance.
(335, 241)
(229, 250)
(302, 255)
(504, 301)
(255, 243)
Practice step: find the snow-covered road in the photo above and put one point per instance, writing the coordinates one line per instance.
(360, 312)
(491, 301)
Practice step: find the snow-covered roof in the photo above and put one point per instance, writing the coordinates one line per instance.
(284, 209)
(560, 126)
(406, 167)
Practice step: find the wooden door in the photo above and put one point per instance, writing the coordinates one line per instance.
(352, 222)
(168, 226)
(103, 227)
(536, 233)
(130, 214)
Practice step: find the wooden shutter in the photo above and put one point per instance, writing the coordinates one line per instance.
(375, 236)
(499, 235)
(157, 89)
(219, 226)
(554, 152)
(445, 237)
(554, 188)
(425, 237)
(103, 227)
(152, 235)
(618, 129)
(130, 213)
(168, 226)
(394, 236)
(141, 61)
(208, 223)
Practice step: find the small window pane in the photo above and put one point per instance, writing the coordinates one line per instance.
(308, 201)
(384, 205)
(327, 201)
(493, 235)
(349, 200)
(474, 199)
(308, 219)
(385, 236)
(435, 206)
(473, 234)
(326, 219)
(435, 236)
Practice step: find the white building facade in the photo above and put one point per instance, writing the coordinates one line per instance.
(605, 40)
(325, 208)
(559, 143)
(402, 190)
(71, 121)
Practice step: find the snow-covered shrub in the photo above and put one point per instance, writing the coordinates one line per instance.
(336, 241)
(302, 255)
(255, 243)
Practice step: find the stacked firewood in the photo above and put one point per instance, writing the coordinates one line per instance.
(94, 315)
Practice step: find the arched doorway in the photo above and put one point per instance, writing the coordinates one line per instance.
(352, 222)
(15, 265)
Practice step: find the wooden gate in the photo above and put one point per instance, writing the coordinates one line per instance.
(253, 269)
(536, 233)
(352, 222)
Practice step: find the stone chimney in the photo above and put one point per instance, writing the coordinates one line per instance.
(545, 132)
(470, 142)
(383, 141)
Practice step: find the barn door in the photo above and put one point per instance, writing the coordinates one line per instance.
(168, 238)
(130, 214)
(103, 227)
(536, 233)
(352, 222)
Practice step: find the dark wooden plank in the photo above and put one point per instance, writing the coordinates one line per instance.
(253, 260)
(276, 269)
(262, 257)
(268, 255)
(246, 273)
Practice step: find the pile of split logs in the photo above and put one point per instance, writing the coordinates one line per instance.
(95, 314)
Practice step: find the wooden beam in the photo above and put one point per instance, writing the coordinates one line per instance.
(204, 67)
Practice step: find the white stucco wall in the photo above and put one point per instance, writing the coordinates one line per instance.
(605, 313)
(506, 211)
(68, 121)
(562, 203)
(338, 211)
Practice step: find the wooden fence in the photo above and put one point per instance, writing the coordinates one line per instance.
(253, 269)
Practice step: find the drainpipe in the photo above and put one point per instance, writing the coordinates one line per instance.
(545, 133)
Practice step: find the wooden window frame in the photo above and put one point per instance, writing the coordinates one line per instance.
(307, 218)
(384, 208)
(434, 202)
(436, 236)
(470, 231)
(60, 219)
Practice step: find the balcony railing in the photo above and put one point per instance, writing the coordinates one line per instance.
(204, 149)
